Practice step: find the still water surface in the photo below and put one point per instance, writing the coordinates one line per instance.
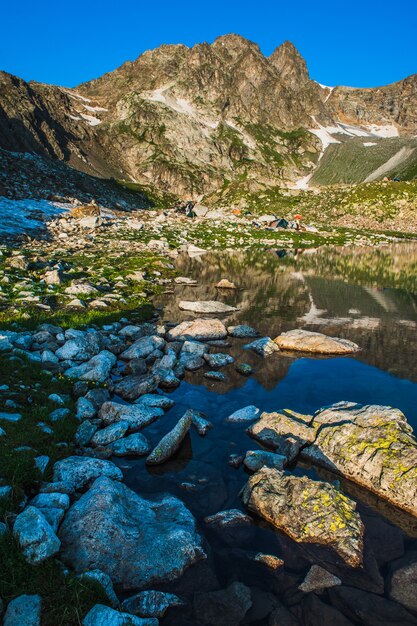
(366, 295)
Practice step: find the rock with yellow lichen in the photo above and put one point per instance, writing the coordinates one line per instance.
(309, 511)
(371, 445)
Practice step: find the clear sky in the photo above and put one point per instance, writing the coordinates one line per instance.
(366, 43)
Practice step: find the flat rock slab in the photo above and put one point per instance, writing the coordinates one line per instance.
(308, 511)
(206, 306)
(137, 542)
(307, 341)
(371, 445)
(199, 330)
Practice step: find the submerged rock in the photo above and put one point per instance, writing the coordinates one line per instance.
(244, 368)
(226, 607)
(207, 306)
(255, 459)
(218, 359)
(307, 341)
(151, 603)
(263, 346)
(371, 445)
(35, 536)
(154, 400)
(137, 542)
(403, 581)
(217, 376)
(200, 330)
(24, 610)
(308, 511)
(200, 423)
(242, 331)
(318, 578)
(170, 443)
(246, 414)
(101, 615)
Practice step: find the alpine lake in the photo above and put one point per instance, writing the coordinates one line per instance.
(367, 295)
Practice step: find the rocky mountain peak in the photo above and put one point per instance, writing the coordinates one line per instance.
(290, 64)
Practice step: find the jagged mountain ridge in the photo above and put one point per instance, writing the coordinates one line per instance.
(194, 120)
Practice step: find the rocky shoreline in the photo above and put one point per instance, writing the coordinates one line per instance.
(84, 516)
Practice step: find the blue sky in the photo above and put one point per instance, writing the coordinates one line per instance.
(366, 43)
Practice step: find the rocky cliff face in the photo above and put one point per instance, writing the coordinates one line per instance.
(193, 121)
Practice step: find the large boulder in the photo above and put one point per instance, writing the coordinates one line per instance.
(308, 511)
(307, 341)
(137, 542)
(199, 330)
(371, 445)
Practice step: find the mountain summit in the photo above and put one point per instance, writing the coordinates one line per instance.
(193, 121)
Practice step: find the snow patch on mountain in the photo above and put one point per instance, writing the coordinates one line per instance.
(26, 216)
(389, 130)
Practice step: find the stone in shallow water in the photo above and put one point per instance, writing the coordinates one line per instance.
(218, 360)
(137, 542)
(255, 459)
(133, 445)
(232, 526)
(101, 615)
(226, 607)
(244, 368)
(306, 341)
(242, 331)
(151, 603)
(200, 423)
(24, 610)
(217, 376)
(308, 511)
(263, 346)
(370, 609)
(78, 471)
(200, 330)
(206, 306)
(373, 446)
(246, 414)
(286, 432)
(318, 578)
(171, 442)
(35, 536)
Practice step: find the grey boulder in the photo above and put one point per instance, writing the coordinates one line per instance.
(137, 542)
(97, 369)
(78, 471)
(35, 536)
(24, 610)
